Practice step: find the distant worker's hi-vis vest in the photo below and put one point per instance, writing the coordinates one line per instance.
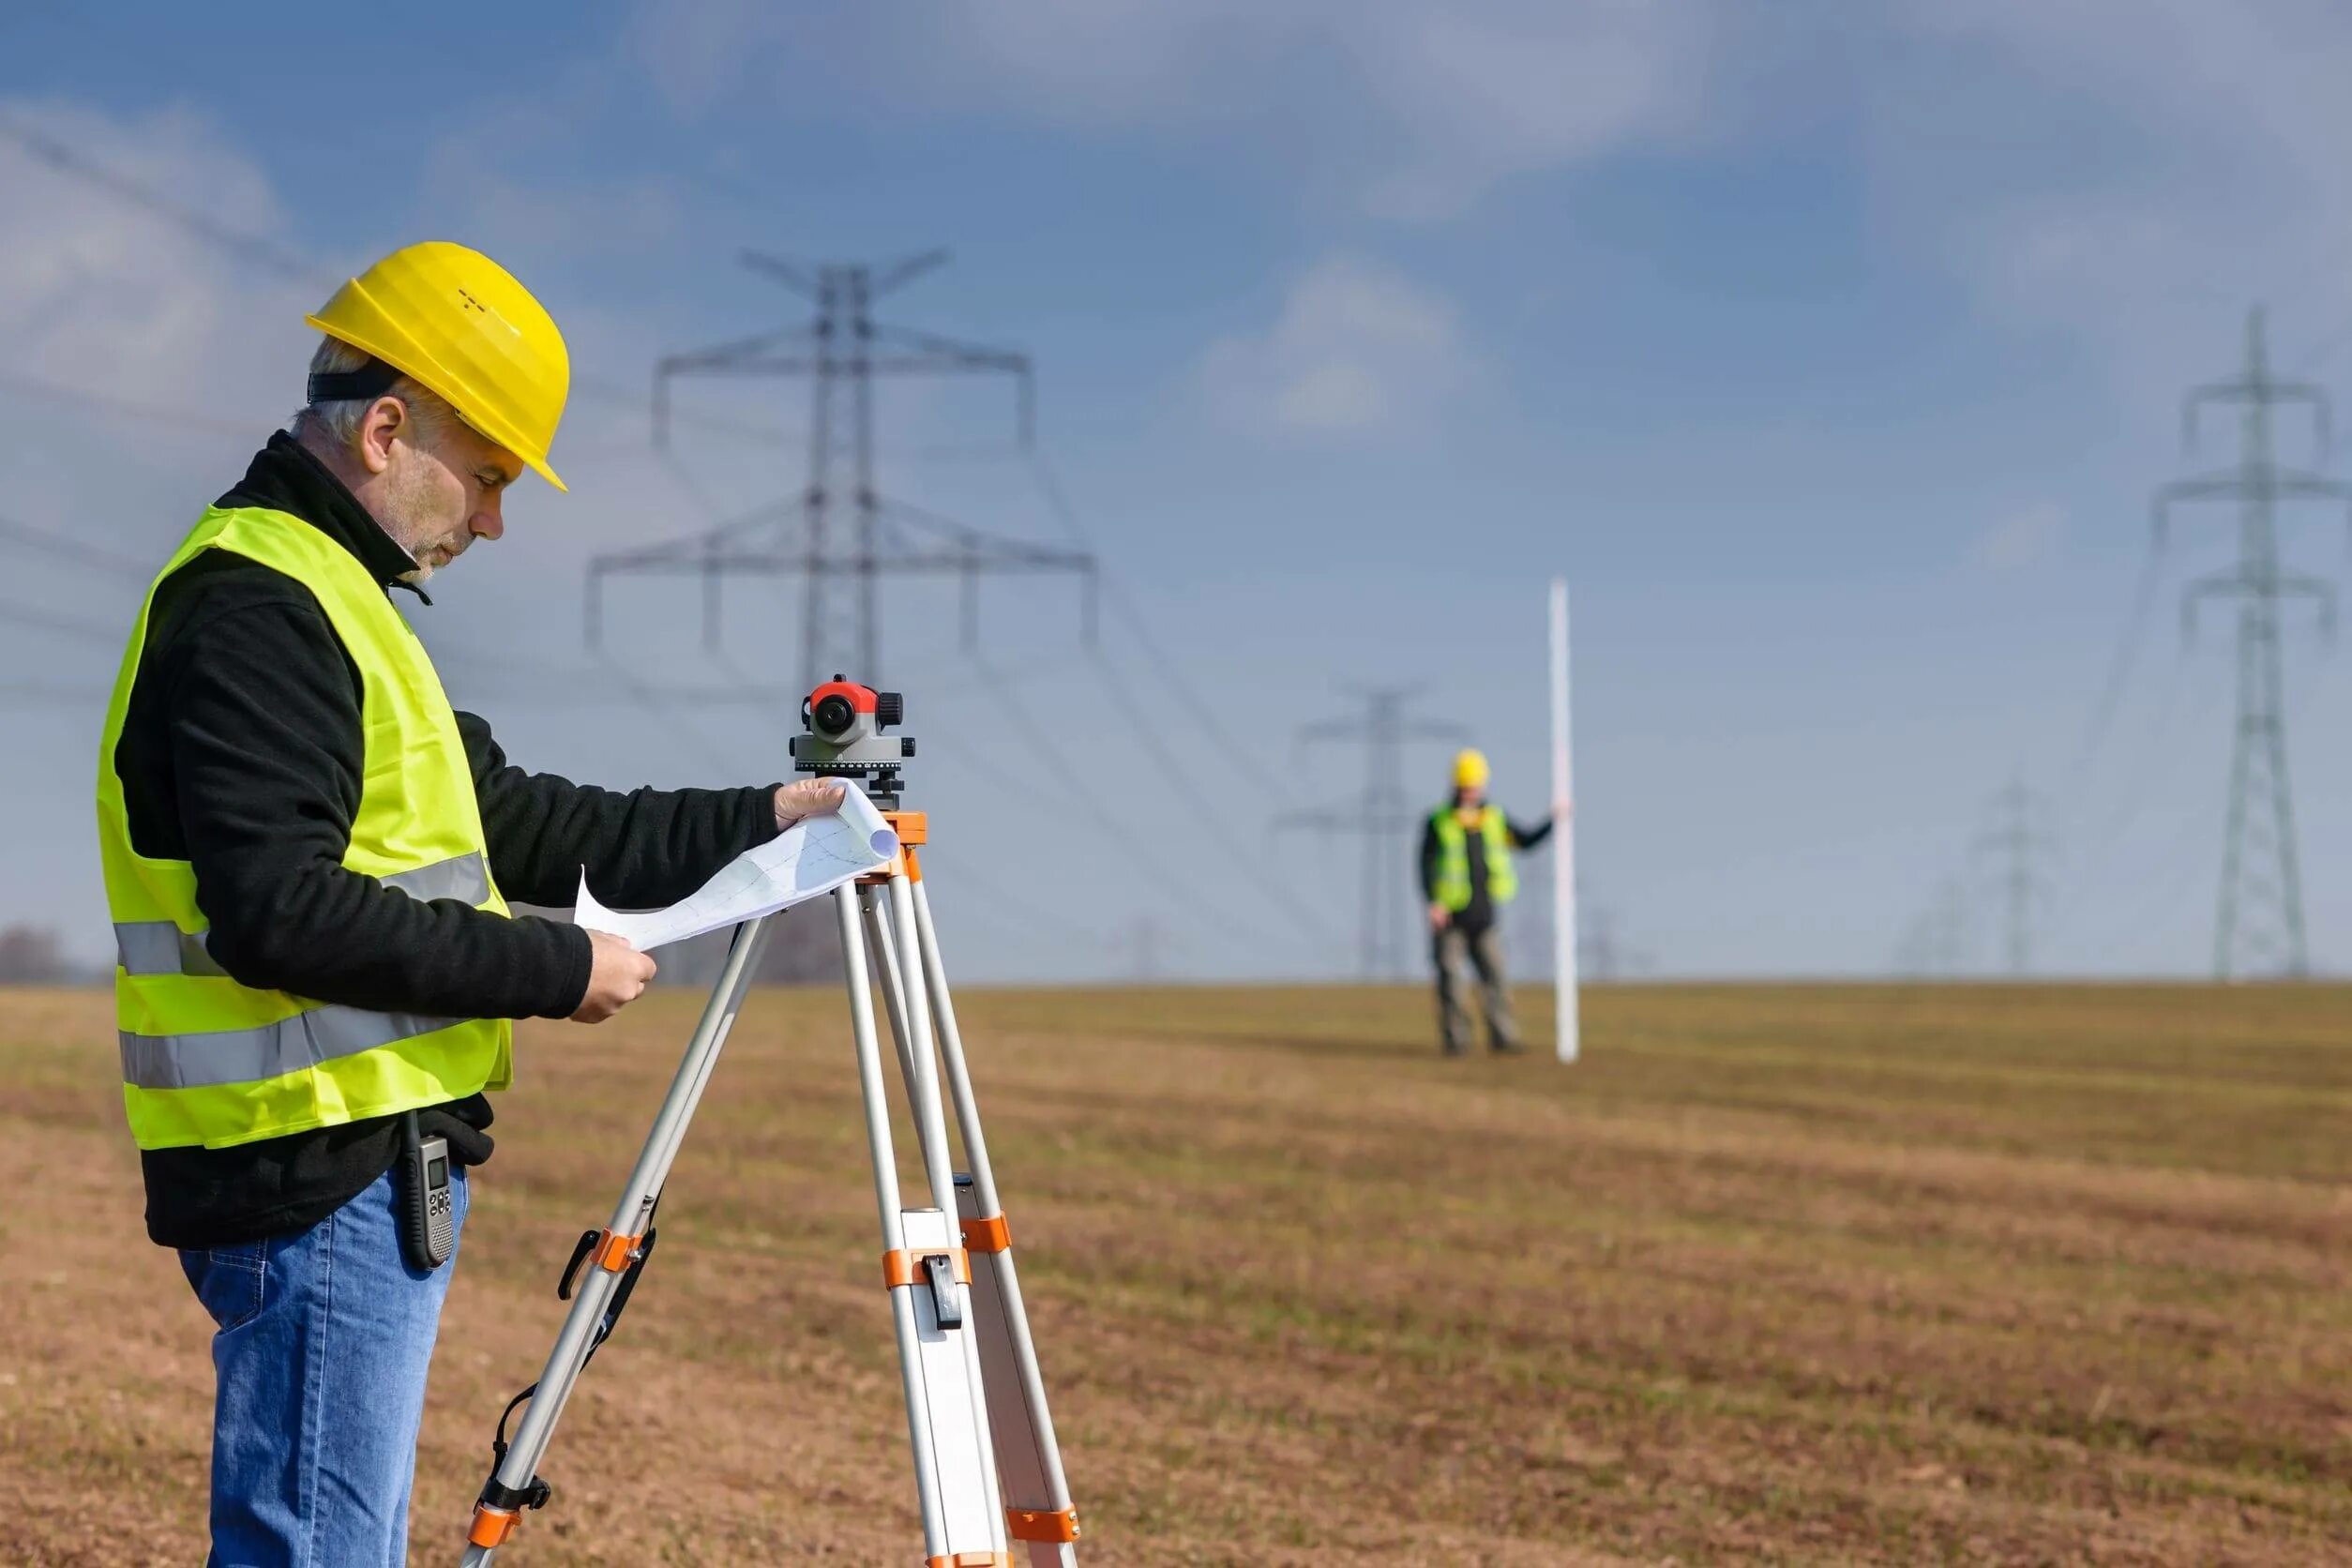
(1451, 886)
(207, 1061)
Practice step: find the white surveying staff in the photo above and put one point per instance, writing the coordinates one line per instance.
(1567, 1026)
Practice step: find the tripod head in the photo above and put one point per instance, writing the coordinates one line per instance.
(844, 723)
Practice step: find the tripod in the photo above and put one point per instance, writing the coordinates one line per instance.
(986, 1471)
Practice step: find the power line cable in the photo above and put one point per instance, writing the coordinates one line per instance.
(66, 159)
(69, 625)
(2329, 346)
(2120, 822)
(1003, 898)
(46, 692)
(69, 548)
(273, 258)
(52, 391)
(1195, 798)
(1066, 773)
(1241, 757)
(2119, 667)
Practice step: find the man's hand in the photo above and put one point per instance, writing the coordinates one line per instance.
(1438, 916)
(618, 978)
(810, 797)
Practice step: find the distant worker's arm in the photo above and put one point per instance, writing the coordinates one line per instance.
(1523, 837)
(1437, 913)
(643, 849)
(264, 730)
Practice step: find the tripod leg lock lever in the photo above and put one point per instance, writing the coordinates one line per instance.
(510, 1498)
(991, 1235)
(609, 1250)
(940, 1269)
(500, 1510)
(1041, 1524)
(947, 1303)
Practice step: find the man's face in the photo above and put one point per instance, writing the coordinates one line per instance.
(445, 492)
(1470, 795)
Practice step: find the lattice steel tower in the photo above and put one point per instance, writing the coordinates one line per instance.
(1384, 816)
(841, 535)
(2258, 929)
(2015, 841)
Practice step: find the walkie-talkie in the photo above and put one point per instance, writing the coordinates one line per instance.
(429, 1216)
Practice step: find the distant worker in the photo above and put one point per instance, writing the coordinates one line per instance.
(1466, 876)
(305, 851)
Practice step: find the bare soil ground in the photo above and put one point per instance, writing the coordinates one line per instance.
(1777, 1275)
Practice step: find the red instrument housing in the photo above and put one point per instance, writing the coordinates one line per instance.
(862, 699)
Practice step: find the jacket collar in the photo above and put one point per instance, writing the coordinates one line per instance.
(284, 477)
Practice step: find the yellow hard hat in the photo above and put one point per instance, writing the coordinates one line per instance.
(458, 324)
(1471, 770)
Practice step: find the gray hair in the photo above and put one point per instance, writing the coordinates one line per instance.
(338, 423)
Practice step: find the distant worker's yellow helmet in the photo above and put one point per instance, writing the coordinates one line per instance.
(1471, 770)
(460, 326)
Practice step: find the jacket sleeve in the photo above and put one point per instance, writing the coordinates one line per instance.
(264, 730)
(642, 849)
(1429, 860)
(1524, 837)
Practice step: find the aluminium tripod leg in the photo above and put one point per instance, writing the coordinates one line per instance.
(611, 1258)
(928, 1277)
(890, 909)
(1038, 1509)
(886, 968)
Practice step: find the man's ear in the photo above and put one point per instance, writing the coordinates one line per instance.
(386, 421)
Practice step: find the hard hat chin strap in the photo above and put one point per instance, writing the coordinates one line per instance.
(371, 379)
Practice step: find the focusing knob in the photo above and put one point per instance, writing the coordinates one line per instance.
(889, 707)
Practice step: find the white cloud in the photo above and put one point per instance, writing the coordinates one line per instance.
(2129, 174)
(1357, 349)
(98, 293)
(1480, 93)
(2126, 175)
(1417, 110)
(2027, 536)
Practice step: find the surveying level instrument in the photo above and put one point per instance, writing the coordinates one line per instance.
(987, 1473)
(845, 740)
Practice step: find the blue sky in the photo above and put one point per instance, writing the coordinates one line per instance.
(1833, 351)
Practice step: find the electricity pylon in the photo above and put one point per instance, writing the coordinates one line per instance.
(1383, 816)
(2015, 839)
(841, 535)
(2258, 928)
(1936, 941)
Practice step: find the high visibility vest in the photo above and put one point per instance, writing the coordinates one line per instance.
(1451, 886)
(207, 1061)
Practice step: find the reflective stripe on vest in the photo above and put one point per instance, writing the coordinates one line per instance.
(209, 1060)
(247, 1055)
(160, 947)
(1450, 887)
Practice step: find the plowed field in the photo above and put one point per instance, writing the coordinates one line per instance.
(1792, 1274)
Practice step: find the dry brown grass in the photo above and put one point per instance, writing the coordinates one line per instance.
(1778, 1274)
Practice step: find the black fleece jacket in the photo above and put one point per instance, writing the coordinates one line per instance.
(241, 753)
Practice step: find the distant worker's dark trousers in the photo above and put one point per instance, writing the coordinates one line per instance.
(1483, 948)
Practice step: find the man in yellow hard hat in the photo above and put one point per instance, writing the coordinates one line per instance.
(307, 856)
(1466, 877)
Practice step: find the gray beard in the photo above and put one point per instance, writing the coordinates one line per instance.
(417, 574)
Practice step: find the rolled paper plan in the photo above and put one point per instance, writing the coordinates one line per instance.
(811, 857)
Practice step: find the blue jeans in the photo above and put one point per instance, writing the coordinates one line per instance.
(324, 1336)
